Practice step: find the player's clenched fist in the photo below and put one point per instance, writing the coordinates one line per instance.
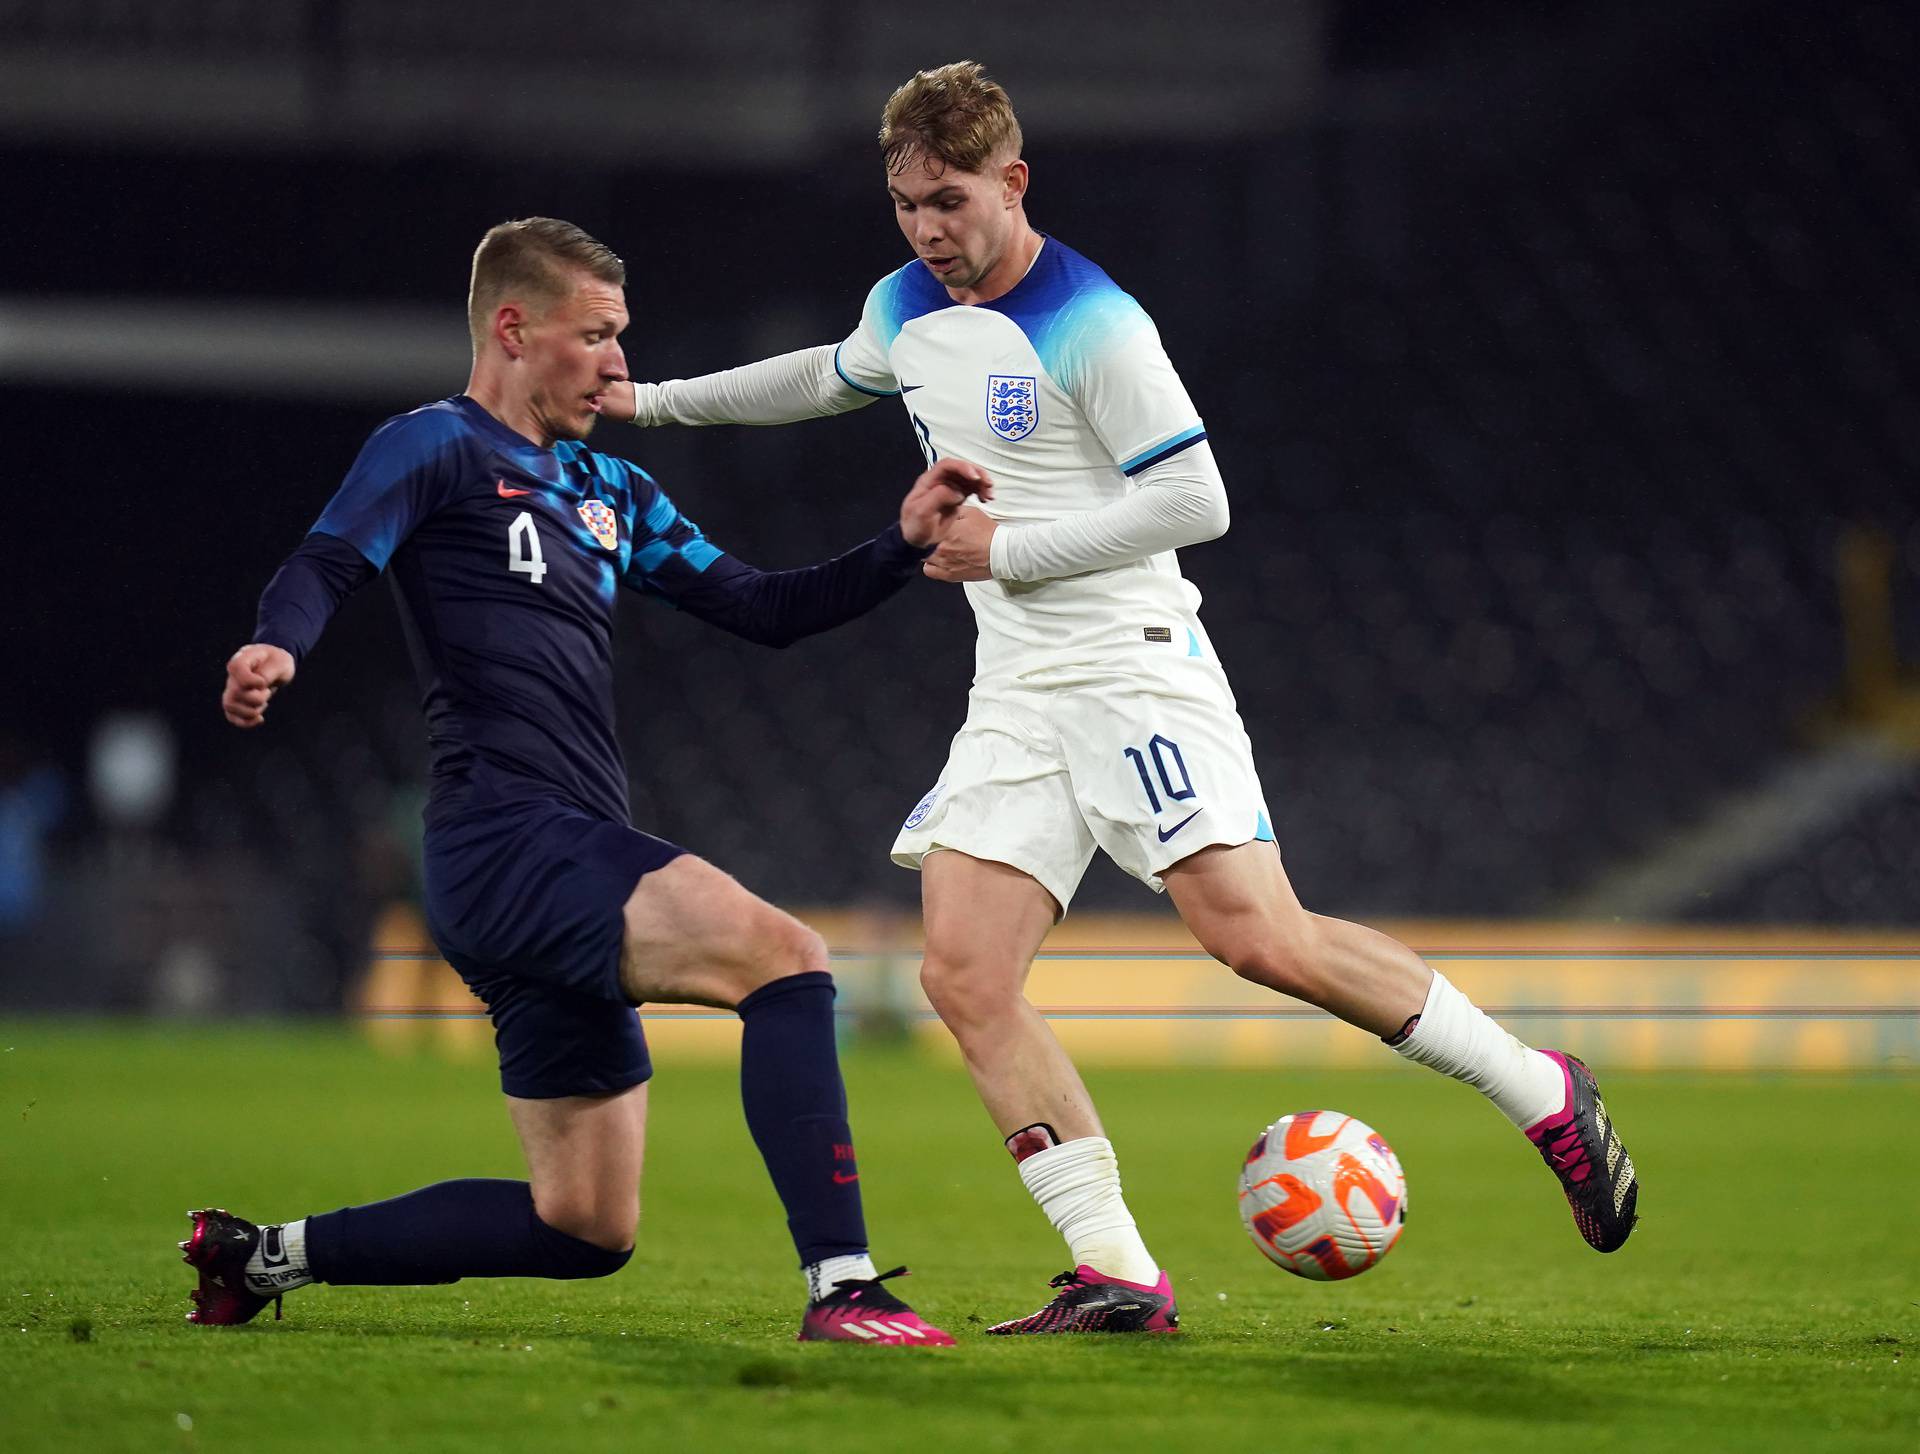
(933, 504)
(254, 674)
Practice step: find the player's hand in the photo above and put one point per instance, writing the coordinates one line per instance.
(932, 506)
(619, 400)
(966, 550)
(254, 674)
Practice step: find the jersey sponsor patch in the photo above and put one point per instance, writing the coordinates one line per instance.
(604, 524)
(1158, 633)
(1013, 405)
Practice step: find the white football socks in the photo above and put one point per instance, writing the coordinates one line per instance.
(1457, 1038)
(1077, 1184)
(279, 1262)
(822, 1275)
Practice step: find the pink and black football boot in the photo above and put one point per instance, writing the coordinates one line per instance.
(1585, 1151)
(1092, 1302)
(859, 1310)
(219, 1248)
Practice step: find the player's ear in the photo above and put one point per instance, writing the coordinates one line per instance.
(1015, 183)
(509, 328)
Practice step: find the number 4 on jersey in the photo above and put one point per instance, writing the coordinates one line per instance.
(523, 548)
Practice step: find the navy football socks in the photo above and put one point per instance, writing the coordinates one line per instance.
(796, 1109)
(473, 1228)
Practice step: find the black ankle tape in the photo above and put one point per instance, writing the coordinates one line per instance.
(1031, 1140)
(1401, 1038)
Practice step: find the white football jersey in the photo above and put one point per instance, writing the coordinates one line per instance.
(1061, 391)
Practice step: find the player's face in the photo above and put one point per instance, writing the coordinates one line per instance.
(958, 223)
(572, 354)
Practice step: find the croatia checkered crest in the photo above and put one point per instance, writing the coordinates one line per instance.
(1322, 1194)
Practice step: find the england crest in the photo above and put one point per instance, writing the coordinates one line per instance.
(924, 806)
(604, 524)
(1013, 405)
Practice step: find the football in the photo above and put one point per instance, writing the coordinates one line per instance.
(1322, 1194)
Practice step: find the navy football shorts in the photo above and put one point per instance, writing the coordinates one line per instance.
(524, 900)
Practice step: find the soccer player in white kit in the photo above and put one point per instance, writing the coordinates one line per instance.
(1099, 716)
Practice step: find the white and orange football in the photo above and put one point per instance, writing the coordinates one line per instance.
(1322, 1194)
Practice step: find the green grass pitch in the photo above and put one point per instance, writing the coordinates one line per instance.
(1769, 1300)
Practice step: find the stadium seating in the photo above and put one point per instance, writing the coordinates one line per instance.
(1535, 513)
(1541, 422)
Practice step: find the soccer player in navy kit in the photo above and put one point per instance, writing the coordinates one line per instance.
(505, 540)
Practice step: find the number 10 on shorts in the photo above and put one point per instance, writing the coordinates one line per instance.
(1161, 749)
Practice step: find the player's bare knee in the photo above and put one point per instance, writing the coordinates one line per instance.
(779, 946)
(611, 1228)
(1275, 959)
(612, 1234)
(772, 947)
(802, 948)
(966, 992)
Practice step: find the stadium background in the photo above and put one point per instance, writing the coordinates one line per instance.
(1561, 361)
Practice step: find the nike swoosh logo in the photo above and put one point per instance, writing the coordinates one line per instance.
(505, 493)
(1166, 833)
(840, 1178)
(909, 388)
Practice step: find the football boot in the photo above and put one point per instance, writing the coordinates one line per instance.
(1585, 1151)
(218, 1249)
(1092, 1302)
(860, 1310)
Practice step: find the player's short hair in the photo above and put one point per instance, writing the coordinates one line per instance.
(531, 258)
(955, 115)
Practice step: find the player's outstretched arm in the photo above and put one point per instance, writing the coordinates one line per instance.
(781, 390)
(777, 608)
(254, 673)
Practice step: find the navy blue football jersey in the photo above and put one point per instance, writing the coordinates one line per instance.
(506, 559)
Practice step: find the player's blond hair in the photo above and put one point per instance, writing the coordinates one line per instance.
(532, 259)
(954, 115)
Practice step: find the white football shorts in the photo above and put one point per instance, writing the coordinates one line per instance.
(1144, 758)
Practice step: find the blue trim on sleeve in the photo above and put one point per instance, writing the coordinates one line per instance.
(673, 534)
(660, 514)
(1186, 439)
(1263, 830)
(856, 384)
(700, 553)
